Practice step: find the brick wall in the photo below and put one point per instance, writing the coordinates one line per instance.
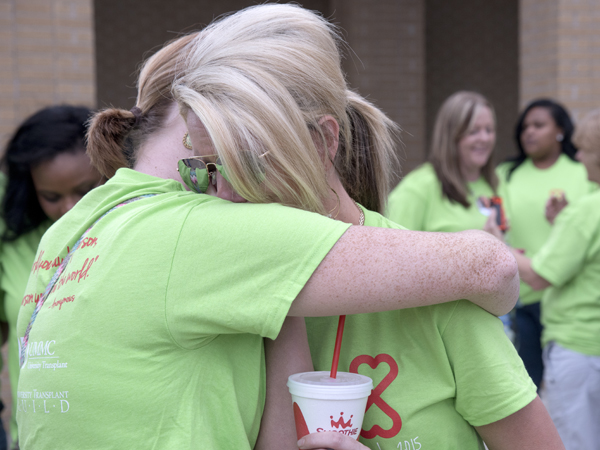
(46, 57)
(388, 63)
(560, 53)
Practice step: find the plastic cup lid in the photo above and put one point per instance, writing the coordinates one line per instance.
(345, 386)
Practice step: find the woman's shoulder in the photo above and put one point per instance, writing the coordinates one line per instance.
(421, 178)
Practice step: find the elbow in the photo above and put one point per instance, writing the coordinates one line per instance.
(503, 280)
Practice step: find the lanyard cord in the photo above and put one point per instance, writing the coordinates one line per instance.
(57, 274)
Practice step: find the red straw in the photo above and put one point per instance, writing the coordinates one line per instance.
(338, 346)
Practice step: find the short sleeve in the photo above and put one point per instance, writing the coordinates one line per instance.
(407, 204)
(238, 268)
(491, 381)
(564, 253)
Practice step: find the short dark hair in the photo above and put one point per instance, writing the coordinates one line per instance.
(561, 118)
(40, 138)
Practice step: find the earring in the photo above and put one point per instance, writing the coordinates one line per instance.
(559, 137)
(187, 142)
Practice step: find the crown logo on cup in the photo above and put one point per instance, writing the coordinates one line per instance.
(340, 422)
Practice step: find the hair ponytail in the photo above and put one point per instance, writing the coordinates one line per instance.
(108, 146)
(365, 170)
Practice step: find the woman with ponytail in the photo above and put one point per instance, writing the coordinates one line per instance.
(449, 364)
(159, 318)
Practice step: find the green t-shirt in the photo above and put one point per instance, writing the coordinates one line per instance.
(570, 261)
(437, 371)
(152, 336)
(525, 196)
(16, 259)
(418, 203)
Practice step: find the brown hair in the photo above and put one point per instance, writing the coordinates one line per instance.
(115, 135)
(453, 120)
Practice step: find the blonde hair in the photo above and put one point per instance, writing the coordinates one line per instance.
(454, 119)
(259, 81)
(587, 133)
(115, 135)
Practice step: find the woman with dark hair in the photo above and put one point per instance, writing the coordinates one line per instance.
(542, 176)
(47, 173)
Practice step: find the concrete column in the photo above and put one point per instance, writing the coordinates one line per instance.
(46, 57)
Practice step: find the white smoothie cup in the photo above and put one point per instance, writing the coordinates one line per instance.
(322, 403)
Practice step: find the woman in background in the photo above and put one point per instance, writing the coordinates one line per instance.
(47, 172)
(544, 173)
(568, 267)
(444, 193)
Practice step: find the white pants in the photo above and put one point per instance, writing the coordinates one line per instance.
(572, 396)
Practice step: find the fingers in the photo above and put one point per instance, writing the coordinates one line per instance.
(330, 440)
(485, 201)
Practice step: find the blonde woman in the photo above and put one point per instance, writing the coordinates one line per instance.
(450, 353)
(158, 318)
(444, 193)
(568, 267)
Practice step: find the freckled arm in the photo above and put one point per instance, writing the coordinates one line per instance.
(374, 269)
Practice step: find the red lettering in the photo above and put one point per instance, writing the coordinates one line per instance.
(37, 263)
(60, 302)
(31, 298)
(79, 275)
(89, 242)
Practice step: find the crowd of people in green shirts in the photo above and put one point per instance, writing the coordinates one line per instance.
(443, 373)
(557, 318)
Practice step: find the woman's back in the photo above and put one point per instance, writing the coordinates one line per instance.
(448, 365)
(158, 314)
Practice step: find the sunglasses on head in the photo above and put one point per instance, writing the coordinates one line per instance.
(197, 172)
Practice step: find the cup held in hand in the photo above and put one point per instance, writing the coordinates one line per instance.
(324, 404)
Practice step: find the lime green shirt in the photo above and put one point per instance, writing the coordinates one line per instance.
(525, 196)
(16, 259)
(418, 203)
(438, 371)
(570, 261)
(153, 334)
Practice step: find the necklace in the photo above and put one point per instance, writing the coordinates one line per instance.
(361, 220)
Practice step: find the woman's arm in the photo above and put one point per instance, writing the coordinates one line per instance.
(375, 269)
(530, 428)
(286, 355)
(527, 274)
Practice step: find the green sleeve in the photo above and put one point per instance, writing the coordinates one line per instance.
(268, 254)
(563, 255)
(408, 204)
(491, 381)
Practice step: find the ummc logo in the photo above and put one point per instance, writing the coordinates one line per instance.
(340, 422)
